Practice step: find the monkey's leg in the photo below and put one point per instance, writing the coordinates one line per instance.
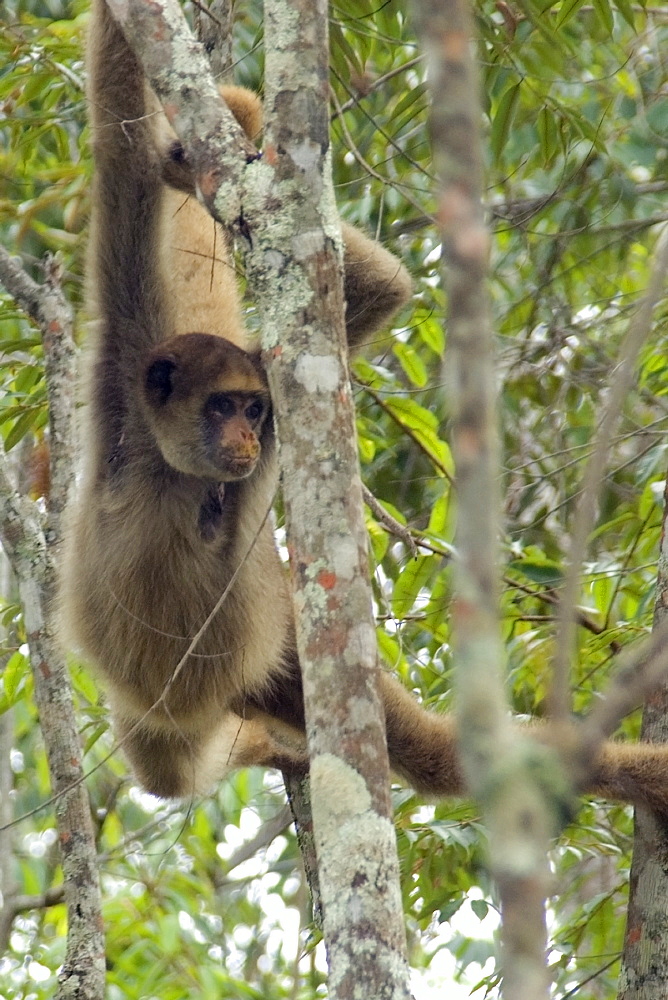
(421, 744)
(632, 772)
(179, 764)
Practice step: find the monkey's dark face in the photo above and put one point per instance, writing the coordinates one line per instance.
(208, 404)
(232, 425)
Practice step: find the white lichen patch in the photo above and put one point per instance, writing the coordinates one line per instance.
(361, 644)
(318, 372)
(338, 789)
(315, 595)
(358, 715)
(307, 244)
(306, 155)
(226, 201)
(327, 210)
(282, 26)
(345, 557)
(355, 845)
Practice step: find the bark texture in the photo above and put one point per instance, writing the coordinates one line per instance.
(644, 971)
(304, 345)
(214, 30)
(32, 547)
(509, 775)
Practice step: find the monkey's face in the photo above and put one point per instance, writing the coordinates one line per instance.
(207, 404)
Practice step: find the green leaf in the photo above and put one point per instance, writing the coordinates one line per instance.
(548, 133)
(339, 41)
(568, 8)
(604, 14)
(626, 10)
(388, 648)
(26, 423)
(546, 572)
(439, 515)
(379, 539)
(13, 676)
(480, 907)
(411, 580)
(98, 731)
(412, 414)
(411, 363)
(449, 910)
(430, 329)
(503, 119)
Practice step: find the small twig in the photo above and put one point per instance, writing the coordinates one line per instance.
(639, 328)
(376, 85)
(262, 839)
(390, 523)
(436, 462)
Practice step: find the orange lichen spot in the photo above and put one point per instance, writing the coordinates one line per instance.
(327, 579)
(269, 155)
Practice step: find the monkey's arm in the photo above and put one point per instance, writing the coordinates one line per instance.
(125, 283)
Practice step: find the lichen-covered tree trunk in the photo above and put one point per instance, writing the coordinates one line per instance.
(33, 548)
(502, 768)
(304, 342)
(644, 972)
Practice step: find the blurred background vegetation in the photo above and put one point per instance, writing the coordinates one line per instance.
(576, 117)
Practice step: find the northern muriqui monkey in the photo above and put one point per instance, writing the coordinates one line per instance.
(180, 474)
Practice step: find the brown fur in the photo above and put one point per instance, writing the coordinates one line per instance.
(173, 506)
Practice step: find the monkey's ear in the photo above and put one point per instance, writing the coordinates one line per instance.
(176, 171)
(158, 382)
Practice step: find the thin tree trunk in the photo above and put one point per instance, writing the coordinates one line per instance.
(352, 811)
(33, 547)
(644, 971)
(502, 768)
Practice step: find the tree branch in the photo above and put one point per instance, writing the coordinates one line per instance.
(33, 553)
(515, 782)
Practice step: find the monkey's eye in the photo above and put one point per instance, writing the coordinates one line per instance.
(222, 405)
(255, 410)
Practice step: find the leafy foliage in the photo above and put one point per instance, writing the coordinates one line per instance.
(576, 114)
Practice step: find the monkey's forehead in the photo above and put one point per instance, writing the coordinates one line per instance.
(243, 382)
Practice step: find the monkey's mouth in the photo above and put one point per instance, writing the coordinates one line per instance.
(240, 467)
